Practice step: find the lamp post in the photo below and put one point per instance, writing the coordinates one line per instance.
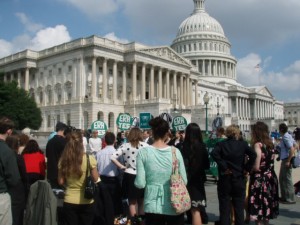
(206, 100)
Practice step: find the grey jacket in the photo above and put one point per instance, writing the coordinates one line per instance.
(41, 205)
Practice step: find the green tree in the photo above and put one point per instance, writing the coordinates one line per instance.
(16, 104)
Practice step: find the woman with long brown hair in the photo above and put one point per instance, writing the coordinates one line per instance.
(263, 189)
(127, 153)
(72, 173)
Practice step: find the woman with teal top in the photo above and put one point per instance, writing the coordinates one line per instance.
(154, 168)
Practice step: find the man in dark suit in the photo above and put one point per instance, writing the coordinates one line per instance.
(230, 156)
(147, 137)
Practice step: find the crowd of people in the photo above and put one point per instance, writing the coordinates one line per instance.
(131, 172)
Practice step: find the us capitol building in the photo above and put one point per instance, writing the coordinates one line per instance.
(96, 78)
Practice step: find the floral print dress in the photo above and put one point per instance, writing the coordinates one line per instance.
(263, 201)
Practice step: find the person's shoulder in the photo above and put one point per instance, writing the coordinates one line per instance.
(143, 144)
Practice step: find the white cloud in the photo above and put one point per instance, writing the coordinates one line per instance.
(94, 8)
(44, 38)
(6, 48)
(49, 37)
(29, 25)
(284, 83)
(113, 37)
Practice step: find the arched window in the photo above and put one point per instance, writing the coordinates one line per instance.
(111, 121)
(86, 120)
(100, 116)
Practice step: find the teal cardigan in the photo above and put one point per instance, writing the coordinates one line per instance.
(154, 168)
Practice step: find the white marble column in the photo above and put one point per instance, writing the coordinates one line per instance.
(188, 92)
(181, 89)
(26, 79)
(143, 95)
(209, 67)
(168, 83)
(237, 106)
(124, 88)
(196, 92)
(115, 81)
(19, 78)
(104, 78)
(175, 85)
(152, 82)
(134, 67)
(160, 82)
(94, 77)
(203, 67)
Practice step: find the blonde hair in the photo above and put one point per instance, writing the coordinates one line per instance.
(71, 158)
(232, 131)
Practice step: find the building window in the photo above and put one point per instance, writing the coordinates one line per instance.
(110, 72)
(57, 118)
(70, 69)
(100, 69)
(69, 96)
(58, 97)
(49, 96)
(69, 119)
(90, 68)
(59, 71)
(128, 75)
(41, 97)
(48, 121)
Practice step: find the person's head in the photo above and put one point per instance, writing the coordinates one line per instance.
(94, 133)
(283, 128)
(13, 142)
(193, 133)
(220, 131)
(31, 147)
(146, 134)
(232, 131)
(6, 127)
(160, 128)
(71, 158)
(23, 139)
(110, 138)
(62, 129)
(260, 133)
(135, 136)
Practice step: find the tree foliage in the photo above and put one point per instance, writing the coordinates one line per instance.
(16, 104)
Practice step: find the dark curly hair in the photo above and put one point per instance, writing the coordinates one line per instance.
(159, 127)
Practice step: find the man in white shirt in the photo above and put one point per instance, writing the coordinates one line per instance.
(95, 143)
(109, 172)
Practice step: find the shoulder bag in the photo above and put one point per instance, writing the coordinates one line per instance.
(295, 161)
(90, 186)
(180, 198)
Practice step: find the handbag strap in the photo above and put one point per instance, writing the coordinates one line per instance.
(88, 166)
(174, 162)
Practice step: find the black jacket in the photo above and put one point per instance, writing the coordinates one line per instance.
(231, 154)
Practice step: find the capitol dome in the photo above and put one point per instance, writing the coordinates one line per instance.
(200, 21)
(201, 39)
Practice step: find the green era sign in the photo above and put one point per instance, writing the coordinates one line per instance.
(124, 121)
(144, 120)
(100, 126)
(179, 123)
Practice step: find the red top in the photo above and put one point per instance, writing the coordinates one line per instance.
(35, 163)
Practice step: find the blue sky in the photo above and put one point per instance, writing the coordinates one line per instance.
(261, 32)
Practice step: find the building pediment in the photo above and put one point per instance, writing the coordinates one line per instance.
(166, 53)
(262, 90)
